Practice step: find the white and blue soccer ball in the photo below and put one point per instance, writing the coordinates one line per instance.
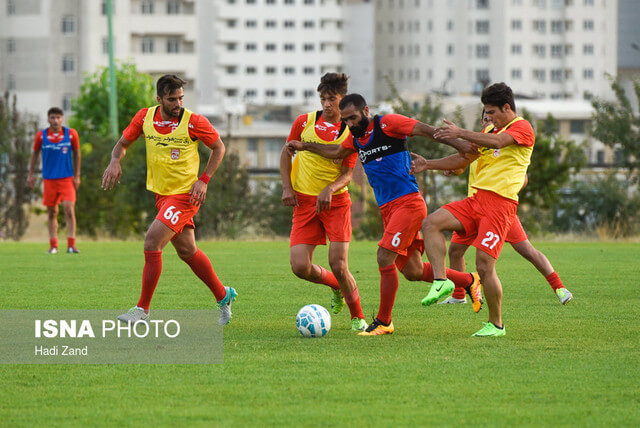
(313, 321)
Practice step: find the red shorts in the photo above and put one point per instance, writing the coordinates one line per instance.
(56, 190)
(402, 220)
(516, 235)
(487, 217)
(314, 229)
(175, 211)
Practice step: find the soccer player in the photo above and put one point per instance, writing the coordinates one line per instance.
(60, 147)
(517, 237)
(488, 214)
(317, 189)
(380, 142)
(171, 134)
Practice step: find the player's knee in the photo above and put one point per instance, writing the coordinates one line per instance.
(301, 270)
(485, 269)
(339, 267)
(411, 273)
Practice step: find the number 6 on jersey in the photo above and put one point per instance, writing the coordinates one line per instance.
(173, 217)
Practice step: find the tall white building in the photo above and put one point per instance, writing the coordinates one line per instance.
(557, 49)
(47, 45)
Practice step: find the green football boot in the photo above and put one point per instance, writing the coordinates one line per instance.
(438, 290)
(490, 330)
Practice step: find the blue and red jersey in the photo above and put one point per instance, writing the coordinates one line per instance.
(386, 159)
(57, 156)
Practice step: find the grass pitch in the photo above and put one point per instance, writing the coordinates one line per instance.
(575, 365)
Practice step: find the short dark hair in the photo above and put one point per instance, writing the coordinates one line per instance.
(168, 83)
(333, 83)
(55, 110)
(498, 95)
(356, 99)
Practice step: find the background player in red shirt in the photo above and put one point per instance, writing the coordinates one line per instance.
(171, 134)
(60, 147)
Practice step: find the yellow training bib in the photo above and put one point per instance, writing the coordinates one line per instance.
(310, 172)
(172, 159)
(501, 171)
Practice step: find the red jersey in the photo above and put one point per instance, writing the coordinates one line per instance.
(199, 127)
(56, 138)
(394, 125)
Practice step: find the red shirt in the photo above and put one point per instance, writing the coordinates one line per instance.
(56, 138)
(522, 133)
(325, 130)
(199, 127)
(394, 125)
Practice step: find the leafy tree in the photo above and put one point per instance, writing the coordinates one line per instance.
(126, 209)
(17, 131)
(617, 126)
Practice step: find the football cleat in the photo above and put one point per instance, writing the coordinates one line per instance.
(53, 250)
(564, 295)
(337, 301)
(438, 290)
(225, 306)
(490, 330)
(72, 250)
(475, 292)
(358, 324)
(377, 328)
(452, 300)
(134, 315)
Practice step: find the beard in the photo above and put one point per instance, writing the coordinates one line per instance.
(171, 113)
(360, 128)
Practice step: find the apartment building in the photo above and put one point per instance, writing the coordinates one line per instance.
(549, 49)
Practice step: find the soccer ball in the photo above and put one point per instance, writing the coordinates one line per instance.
(313, 321)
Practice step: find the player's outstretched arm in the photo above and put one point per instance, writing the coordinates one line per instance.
(425, 130)
(330, 151)
(198, 191)
(288, 195)
(493, 141)
(453, 162)
(112, 174)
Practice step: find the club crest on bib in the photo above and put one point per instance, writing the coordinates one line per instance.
(175, 154)
(496, 153)
(65, 149)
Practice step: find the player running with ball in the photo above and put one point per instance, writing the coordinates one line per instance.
(171, 134)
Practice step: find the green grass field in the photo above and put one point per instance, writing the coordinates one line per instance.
(577, 365)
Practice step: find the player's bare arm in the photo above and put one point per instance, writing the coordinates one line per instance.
(452, 162)
(198, 191)
(329, 151)
(113, 172)
(289, 197)
(493, 141)
(425, 130)
(31, 179)
(323, 201)
(76, 167)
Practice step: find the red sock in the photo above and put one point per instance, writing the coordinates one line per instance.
(201, 266)
(353, 301)
(71, 242)
(388, 288)
(53, 242)
(460, 279)
(327, 278)
(554, 281)
(150, 277)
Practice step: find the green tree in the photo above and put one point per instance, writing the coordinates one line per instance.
(617, 126)
(17, 132)
(126, 209)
